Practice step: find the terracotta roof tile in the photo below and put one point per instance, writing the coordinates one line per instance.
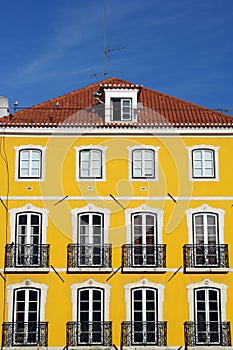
(80, 108)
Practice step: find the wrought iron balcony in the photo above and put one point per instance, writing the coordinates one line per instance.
(144, 333)
(148, 256)
(207, 333)
(89, 333)
(24, 334)
(26, 255)
(206, 256)
(89, 255)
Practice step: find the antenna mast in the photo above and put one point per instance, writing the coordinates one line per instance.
(105, 42)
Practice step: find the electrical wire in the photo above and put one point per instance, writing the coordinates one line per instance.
(19, 109)
(3, 155)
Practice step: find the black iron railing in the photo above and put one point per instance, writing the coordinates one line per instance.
(24, 334)
(144, 333)
(89, 255)
(206, 256)
(207, 333)
(89, 333)
(26, 255)
(144, 255)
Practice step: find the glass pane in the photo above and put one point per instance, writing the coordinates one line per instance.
(36, 155)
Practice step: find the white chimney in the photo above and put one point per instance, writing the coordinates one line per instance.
(4, 106)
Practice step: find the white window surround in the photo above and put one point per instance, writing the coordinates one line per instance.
(103, 150)
(190, 162)
(90, 208)
(90, 283)
(144, 283)
(30, 147)
(27, 283)
(206, 283)
(130, 162)
(111, 93)
(143, 209)
(29, 208)
(205, 209)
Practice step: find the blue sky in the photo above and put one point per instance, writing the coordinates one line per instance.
(179, 47)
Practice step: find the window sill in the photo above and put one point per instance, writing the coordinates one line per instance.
(91, 269)
(90, 180)
(30, 179)
(27, 269)
(144, 269)
(206, 270)
(204, 179)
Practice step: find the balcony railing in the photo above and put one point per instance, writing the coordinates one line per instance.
(26, 255)
(207, 333)
(89, 333)
(144, 333)
(24, 334)
(144, 256)
(89, 255)
(206, 256)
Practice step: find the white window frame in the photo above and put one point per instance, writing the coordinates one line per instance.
(24, 285)
(206, 283)
(201, 210)
(130, 162)
(100, 148)
(203, 147)
(90, 283)
(18, 149)
(28, 209)
(143, 209)
(123, 94)
(90, 208)
(144, 283)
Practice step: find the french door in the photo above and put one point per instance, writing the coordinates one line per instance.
(144, 239)
(26, 316)
(90, 238)
(28, 239)
(144, 316)
(207, 315)
(206, 239)
(90, 316)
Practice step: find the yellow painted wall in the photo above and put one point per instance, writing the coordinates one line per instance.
(60, 181)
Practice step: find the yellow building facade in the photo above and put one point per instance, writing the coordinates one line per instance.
(116, 212)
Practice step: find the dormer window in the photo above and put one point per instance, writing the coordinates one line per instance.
(121, 109)
(121, 103)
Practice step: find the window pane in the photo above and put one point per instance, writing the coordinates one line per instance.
(36, 155)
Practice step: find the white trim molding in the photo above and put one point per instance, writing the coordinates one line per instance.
(144, 283)
(206, 283)
(90, 208)
(90, 283)
(144, 208)
(27, 283)
(130, 162)
(103, 150)
(205, 208)
(215, 159)
(29, 208)
(43, 162)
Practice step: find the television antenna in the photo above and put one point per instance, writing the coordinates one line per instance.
(106, 50)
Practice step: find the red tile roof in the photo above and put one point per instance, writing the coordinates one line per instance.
(80, 108)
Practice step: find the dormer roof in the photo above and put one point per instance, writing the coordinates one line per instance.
(81, 108)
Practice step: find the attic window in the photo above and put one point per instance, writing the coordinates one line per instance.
(121, 104)
(121, 109)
